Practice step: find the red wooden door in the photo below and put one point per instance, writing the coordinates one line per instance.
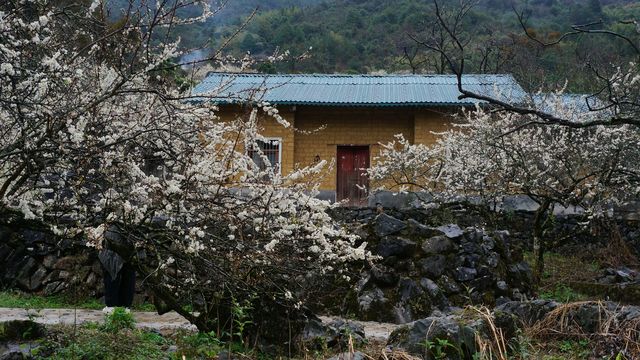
(352, 164)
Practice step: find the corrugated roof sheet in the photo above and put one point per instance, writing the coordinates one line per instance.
(352, 90)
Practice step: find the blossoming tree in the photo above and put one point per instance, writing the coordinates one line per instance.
(489, 155)
(100, 144)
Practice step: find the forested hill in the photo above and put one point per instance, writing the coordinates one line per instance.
(371, 35)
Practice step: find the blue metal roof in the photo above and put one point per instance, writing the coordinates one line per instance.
(351, 90)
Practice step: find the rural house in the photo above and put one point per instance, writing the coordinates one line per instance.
(355, 113)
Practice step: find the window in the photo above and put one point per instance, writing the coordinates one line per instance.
(271, 149)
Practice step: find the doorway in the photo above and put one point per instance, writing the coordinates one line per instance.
(352, 181)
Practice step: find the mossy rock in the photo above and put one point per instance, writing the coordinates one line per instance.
(21, 330)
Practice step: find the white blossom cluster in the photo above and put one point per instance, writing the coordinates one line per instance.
(94, 135)
(491, 154)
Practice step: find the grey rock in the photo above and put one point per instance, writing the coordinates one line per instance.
(26, 268)
(528, 312)
(436, 295)
(473, 234)
(20, 330)
(64, 275)
(357, 355)
(402, 313)
(412, 337)
(384, 276)
(54, 288)
(452, 231)
(388, 225)
(409, 290)
(49, 261)
(487, 243)
(336, 333)
(470, 248)
(37, 278)
(438, 245)
(465, 273)
(449, 286)
(368, 300)
(482, 283)
(433, 266)
(493, 259)
(396, 246)
(430, 286)
(420, 230)
(92, 279)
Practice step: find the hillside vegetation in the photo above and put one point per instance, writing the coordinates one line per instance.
(365, 36)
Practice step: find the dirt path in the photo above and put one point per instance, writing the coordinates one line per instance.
(372, 330)
(150, 320)
(147, 320)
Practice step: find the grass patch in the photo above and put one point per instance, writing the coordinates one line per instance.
(117, 338)
(15, 299)
(9, 299)
(92, 342)
(561, 270)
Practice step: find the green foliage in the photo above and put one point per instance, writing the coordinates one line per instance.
(580, 348)
(198, 345)
(119, 319)
(562, 293)
(439, 347)
(362, 36)
(241, 317)
(14, 299)
(94, 343)
(9, 299)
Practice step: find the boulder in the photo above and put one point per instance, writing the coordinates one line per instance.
(372, 304)
(336, 333)
(37, 278)
(17, 330)
(452, 231)
(26, 268)
(384, 276)
(387, 225)
(465, 273)
(350, 356)
(433, 266)
(421, 231)
(396, 246)
(420, 337)
(528, 312)
(409, 290)
(438, 245)
(69, 262)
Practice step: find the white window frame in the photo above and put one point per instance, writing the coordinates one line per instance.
(279, 140)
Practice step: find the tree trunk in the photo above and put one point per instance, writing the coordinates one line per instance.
(538, 242)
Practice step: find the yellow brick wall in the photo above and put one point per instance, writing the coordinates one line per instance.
(346, 126)
(272, 129)
(320, 130)
(428, 121)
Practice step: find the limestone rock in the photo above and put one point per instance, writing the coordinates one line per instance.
(388, 225)
(433, 267)
(337, 333)
(357, 355)
(438, 245)
(384, 276)
(396, 246)
(452, 231)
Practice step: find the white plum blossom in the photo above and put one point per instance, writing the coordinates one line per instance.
(488, 155)
(97, 139)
